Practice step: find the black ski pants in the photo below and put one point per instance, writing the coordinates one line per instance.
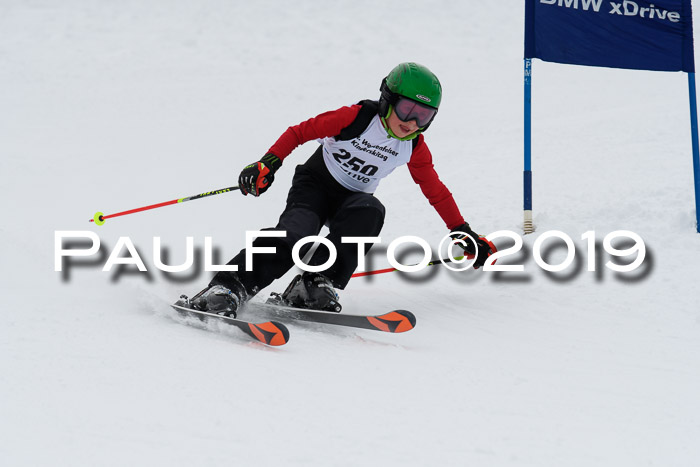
(314, 200)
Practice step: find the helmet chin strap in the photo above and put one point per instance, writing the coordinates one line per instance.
(391, 133)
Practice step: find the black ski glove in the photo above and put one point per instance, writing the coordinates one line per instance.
(257, 177)
(484, 250)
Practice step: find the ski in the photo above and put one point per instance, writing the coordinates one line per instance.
(395, 321)
(269, 332)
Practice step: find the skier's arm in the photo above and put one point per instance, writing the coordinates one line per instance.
(321, 126)
(423, 172)
(257, 177)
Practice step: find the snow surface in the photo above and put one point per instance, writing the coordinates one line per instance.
(114, 105)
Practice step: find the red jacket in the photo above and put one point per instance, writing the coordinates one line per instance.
(420, 166)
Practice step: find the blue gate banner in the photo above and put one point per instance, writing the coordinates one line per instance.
(635, 34)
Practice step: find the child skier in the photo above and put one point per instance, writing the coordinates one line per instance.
(361, 144)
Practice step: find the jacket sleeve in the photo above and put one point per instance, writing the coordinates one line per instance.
(421, 168)
(321, 126)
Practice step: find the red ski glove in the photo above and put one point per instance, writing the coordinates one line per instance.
(483, 248)
(257, 177)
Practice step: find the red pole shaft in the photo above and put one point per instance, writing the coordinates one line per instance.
(100, 218)
(145, 208)
(371, 273)
(383, 271)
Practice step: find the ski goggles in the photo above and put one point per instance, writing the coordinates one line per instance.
(407, 110)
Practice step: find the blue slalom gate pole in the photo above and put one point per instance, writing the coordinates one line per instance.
(527, 172)
(696, 151)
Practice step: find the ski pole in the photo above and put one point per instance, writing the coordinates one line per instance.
(432, 263)
(456, 259)
(100, 218)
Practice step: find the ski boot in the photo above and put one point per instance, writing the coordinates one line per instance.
(217, 299)
(311, 290)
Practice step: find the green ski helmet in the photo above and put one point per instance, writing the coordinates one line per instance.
(413, 81)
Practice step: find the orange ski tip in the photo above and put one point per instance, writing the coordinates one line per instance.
(394, 321)
(270, 333)
(378, 324)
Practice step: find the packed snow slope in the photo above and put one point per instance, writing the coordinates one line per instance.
(108, 106)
